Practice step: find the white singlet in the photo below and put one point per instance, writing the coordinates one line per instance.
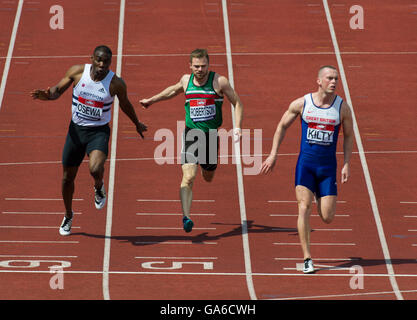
(91, 100)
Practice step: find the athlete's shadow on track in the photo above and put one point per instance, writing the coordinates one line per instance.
(359, 261)
(246, 227)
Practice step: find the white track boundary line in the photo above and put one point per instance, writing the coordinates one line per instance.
(110, 194)
(287, 274)
(346, 295)
(245, 237)
(58, 162)
(165, 55)
(10, 51)
(362, 156)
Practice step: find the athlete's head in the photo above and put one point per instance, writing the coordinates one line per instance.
(199, 63)
(101, 60)
(327, 78)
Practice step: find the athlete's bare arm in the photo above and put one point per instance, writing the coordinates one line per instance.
(167, 93)
(226, 89)
(72, 75)
(295, 109)
(347, 123)
(118, 87)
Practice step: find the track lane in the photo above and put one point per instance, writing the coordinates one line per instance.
(154, 61)
(338, 245)
(130, 245)
(382, 112)
(39, 134)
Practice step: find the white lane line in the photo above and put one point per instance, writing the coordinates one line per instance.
(110, 193)
(37, 241)
(330, 229)
(33, 212)
(295, 229)
(33, 227)
(175, 242)
(10, 51)
(314, 244)
(319, 259)
(33, 256)
(317, 267)
(408, 202)
(171, 200)
(362, 156)
(245, 237)
(176, 258)
(38, 199)
(171, 214)
(221, 156)
(29, 163)
(172, 228)
(296, 215)
(347, 295)
(295, 201)
(165, 55)
(238, 274)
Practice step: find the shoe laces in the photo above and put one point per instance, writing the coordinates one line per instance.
(99, 193)
(66, 223)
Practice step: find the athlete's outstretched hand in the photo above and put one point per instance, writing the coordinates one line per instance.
(146, 103)
(141, 127)
(41, 94)
(268, 164)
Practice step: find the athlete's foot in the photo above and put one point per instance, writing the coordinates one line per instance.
(65, 228)
(188, 224)
(100, 197)
(308, 266)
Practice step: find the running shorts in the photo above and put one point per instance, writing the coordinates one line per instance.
(82, 140)
(201, 148)
(317, 174)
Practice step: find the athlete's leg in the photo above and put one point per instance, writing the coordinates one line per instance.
(189, 172)
(96, 166)
(69, 174)
(326, 195)
(327, 208)
(304, 198)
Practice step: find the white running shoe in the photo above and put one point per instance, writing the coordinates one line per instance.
(65, 228)
(308, 266)
(100, 197)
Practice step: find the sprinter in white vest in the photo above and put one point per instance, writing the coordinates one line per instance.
(94, 88)
(322, 114)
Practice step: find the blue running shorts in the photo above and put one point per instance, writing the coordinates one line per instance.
(318, 174)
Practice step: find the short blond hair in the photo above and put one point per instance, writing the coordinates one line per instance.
(325, 67)
(199, 53)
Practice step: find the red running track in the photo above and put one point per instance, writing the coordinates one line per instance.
(143, 253)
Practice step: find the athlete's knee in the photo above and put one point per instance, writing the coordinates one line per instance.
(96, 169)
(187, 179)
(328, 217)
(327, 209)
(69, 175)
(96, 163)
(304, 208)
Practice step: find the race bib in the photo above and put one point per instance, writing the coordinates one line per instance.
(320, 133)
(202, 109)
(89, 109)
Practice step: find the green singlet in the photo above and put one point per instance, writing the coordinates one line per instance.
(203, 106)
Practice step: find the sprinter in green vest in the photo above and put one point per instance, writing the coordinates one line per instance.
(204, 91)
